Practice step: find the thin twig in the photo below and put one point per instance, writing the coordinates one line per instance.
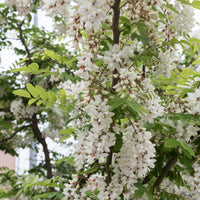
(14, 134)
(23, 42)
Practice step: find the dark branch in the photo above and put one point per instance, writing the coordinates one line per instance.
(164, 172)
(116, 32)
(15, 133)
(21, 36)
(108, 163)
(4, 110)
(42, 141)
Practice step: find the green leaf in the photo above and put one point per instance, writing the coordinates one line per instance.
(185, 2)
(50, 54)
(149, 194)
(171, 143)
(187, 148)
(196, 62)
(116, 102)
(141, 28)
(124, 19)
(172, 8)
(63, 36)
(161, 15)
(40, 102)
(33, 67)
(41, 92)
(63, 99)
(45, 195)
(174, 41)
(19, 69)
(32, 90)
(85, 35)
(52, 96)
(22, 93)
(136, 107)
(143, 189)
(118, 143)
(138, 193)
(196, 4)
(196, 40)
(31, 101)
(61, 160)
(68, 131)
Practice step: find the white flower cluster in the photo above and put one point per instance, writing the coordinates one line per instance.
(154, 107)
(134, 160)
(56, 6)
(56, 119)
(22, 6)
(71, 189)
(193, 100)
(167, 63)
(152, 102)
(92, 13)
(186, 131)
(126, 82)
(86, 16)
(85, 65)
(95, 143)
(18, 108)
(56, 72)
(50, 132)
(115, 58)
(183, 22)
(72, 89)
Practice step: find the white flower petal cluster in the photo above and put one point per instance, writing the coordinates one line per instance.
(116, 57)
(167, 63)
(85, 65)
(154, 107)
(186, 131)
(56, 6)
(18, 108)
(56, 72)
(134, 160)
(72, 89)
(95, 143)
(50, 132)
(92, 13)
(193, 100)
(22, 6)
(126, 83)
(185, 21)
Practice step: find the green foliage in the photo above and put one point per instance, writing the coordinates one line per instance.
(141, 190)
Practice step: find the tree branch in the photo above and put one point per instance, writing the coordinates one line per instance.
(42, 141)
(108, 163)
(21, 37)
(116, 32)
(15, 133)
(164, 172)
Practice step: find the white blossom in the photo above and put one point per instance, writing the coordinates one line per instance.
(21, 111)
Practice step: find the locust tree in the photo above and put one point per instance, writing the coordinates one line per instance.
(130, 98)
